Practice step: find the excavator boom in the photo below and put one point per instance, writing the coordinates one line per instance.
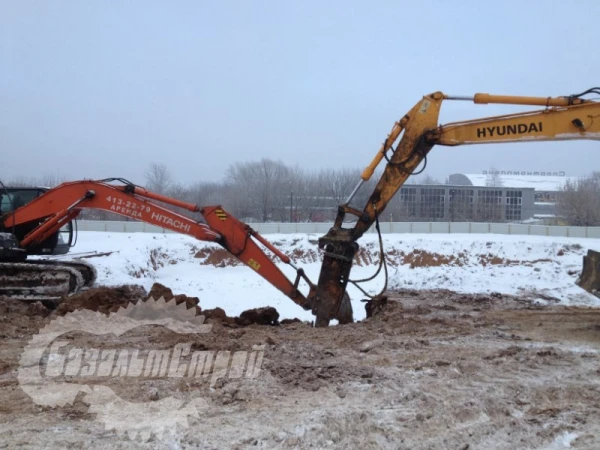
(564, 118)
(63, 203)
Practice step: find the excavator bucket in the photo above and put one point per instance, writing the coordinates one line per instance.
(590, 275)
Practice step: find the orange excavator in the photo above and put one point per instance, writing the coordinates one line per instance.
(35, 227)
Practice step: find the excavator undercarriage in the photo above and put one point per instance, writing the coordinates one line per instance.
(40, 279)
(45, 280)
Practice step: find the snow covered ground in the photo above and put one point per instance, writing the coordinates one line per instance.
(533, 266)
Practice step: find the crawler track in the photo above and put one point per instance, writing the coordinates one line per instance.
(44, 280)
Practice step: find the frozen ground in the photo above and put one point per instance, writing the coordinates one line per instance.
(534, 267)
(435, 369)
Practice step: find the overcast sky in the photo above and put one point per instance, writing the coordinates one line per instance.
(95, 89)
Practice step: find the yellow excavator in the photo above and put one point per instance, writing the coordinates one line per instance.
(562, 118)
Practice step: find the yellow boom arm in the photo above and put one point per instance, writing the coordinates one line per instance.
(564, 118)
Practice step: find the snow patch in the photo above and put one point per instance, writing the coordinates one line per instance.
(540, 267)
(562, 441)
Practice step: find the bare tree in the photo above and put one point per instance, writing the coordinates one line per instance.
(341, 182)
(428, 179)
(261, 189)
(579, 202)
(315, 204)
(20, 181)
(52, 180)
(493, 178)
(207, 193)
(269, 190)
(301, 198)
(46, 180)
(158, 178)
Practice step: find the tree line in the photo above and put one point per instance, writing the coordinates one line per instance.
(272, 191)
(578, 203)
(267, 191)
(258, 191)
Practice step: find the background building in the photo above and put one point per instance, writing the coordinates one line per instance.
(449, 203)
(545, 184)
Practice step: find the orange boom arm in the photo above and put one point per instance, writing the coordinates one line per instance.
(63, 203)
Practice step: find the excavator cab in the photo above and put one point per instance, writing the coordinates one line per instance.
(12, 198)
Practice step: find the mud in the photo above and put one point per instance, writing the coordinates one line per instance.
(260, 316)
(102, 299)
(430, 370)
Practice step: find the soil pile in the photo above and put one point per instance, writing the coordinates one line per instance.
(430, 370)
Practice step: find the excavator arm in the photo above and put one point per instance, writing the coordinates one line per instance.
(563, 118)
(63, 203)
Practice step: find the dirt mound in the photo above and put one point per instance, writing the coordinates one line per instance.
(104, 299)
(158, 290)
(217, 257)
(11, 307)
(421, 258)
(218, 315)
(261, 316)
(19, 318)
(369, 255)
(110, 299)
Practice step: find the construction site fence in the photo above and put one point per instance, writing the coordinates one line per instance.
(386, 227)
